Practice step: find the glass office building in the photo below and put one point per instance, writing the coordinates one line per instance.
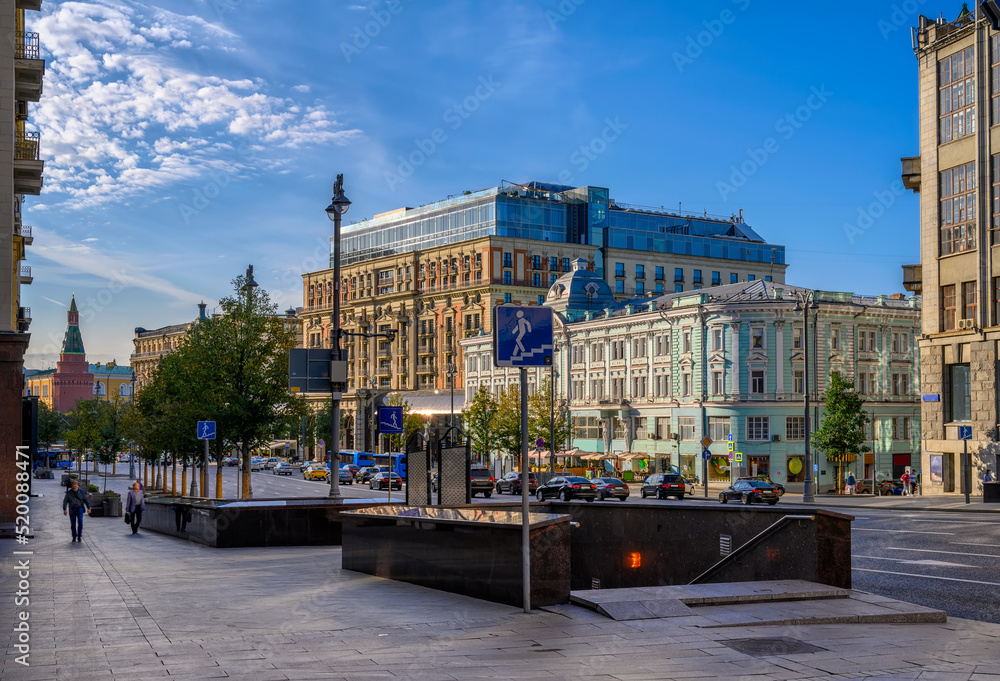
(547, 212)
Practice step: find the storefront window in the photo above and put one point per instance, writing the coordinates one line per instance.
(718, 469)
(759, 465)
(796, 469)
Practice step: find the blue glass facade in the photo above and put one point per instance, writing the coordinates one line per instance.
(544, 212)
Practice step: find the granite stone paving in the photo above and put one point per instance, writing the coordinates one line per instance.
(117, 607)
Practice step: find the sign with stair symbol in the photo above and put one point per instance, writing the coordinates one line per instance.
(522, 336)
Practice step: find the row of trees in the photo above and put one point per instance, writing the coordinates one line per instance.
(494, 423)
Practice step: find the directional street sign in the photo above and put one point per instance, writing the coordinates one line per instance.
(965, 432)
(706, 441)
(522, 336)
(206, 430)
(730, 438)
(390, 420)
(706, 455)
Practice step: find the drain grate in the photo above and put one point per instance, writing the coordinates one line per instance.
(764, 647)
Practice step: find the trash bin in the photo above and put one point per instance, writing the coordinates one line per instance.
(112, 507)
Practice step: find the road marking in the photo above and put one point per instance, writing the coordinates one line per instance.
(876, 529)
(956, 522)
(932, 563)
(950, 553)
(910, 574)
(966, 543)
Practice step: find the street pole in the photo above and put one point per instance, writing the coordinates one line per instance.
(807, 491)
(552, 422)
(525, 526)
(335, 211)
(131, 454)
(966, 472)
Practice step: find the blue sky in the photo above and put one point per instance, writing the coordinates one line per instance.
(185, 139)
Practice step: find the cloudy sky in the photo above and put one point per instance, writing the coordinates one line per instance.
(185, 139)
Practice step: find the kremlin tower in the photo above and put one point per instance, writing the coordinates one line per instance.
(72, 381)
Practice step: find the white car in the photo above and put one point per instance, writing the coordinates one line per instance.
(256, 464)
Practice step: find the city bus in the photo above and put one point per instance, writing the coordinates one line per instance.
(55, 459)
(396, 461)
(359, 459)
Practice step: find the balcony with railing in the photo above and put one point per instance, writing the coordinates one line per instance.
(23, 318)
(24, 231)
(25, 273)
(29, 67)
(27, 166)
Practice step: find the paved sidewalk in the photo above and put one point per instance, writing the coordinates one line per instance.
(121, 607)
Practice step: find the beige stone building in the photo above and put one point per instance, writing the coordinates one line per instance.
(433, 274)
(958, 65)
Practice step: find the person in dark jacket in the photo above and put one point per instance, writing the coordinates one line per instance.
(74, 503)
(135, 504)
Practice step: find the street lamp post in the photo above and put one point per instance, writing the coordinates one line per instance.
(131, 454)
(451, 371)
(339, 205)
(249, 286)
(805, 303)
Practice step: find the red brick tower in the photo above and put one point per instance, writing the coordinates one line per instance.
(72, 381)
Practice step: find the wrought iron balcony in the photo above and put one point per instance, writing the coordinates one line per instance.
(26, 274)
(26, 146)
(26, 45)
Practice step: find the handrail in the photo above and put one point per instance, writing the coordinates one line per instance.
(766, 532)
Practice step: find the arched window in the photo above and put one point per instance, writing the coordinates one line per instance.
(123, 390)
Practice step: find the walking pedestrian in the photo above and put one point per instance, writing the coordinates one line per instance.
(905, 479)
(135, 504)
(74, 503)
(988, 476)
(851, 483)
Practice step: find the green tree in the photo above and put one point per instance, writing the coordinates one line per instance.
(541, 425)
(82, 432)
(482, 420)
(51, 425)
(509, 423)
(841, 434)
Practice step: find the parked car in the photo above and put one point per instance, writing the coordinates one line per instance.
(778, 489)
(511, 483)
(314, 472)
(566, 488)
(749, 492)
(385, 480)
(271, 462)
(366, 473)
(610, 487)
(482, 480)
(282, 469)
(663, 485)
(345, 477)
(355, 469)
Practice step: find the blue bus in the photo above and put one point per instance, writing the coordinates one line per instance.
(55, 459)
(359, 459)
(396, 461)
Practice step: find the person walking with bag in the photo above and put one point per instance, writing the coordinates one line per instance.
(135, 504)
(75, 501)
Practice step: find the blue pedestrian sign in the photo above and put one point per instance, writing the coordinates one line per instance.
(206, 430)
(965, 432)
(706, 455)
(522, 336)
(390, 420)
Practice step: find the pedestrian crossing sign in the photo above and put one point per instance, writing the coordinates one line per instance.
(731, 446)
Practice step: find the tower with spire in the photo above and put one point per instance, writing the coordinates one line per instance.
(72, 381)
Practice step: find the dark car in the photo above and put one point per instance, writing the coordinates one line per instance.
(663, 485)
(566, 488)
(385, 480)
(610, 487)
(511, 483)
(482, 481)
(749, 492)
(345, 477)
(778, 488)
(366, 473)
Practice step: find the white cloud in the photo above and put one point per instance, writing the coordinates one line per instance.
(301, 88)
(126, 111)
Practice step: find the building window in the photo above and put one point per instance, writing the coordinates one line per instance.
(507, 276)
(553, 264)
(995, 79)
(536, 262)
(900, 342)
(959, 392)
(958, 209)
(619, 286)
(565, 264)
(619, 269)
(678, 288)
(662, 345)
(696, 278)
(541, 300)
(866, 341)
(718, 384)
(835, 338)
(796, 338)
(659, 273)
(798, 381)
(758, 427)
(969, 300)
(795, 427)
(506, 297)
(718, 428)
(867, 382)
(958, 95)
(686, 341)
(767, 277)
(757, 338)
(507, 262)
(995, 223)
(679, 274)
(663, 427)
(552, 278)
(596, 352)
(734, 278)
(639, 427)
(996, 300)
(45, 390)
(640, 288)
(757, 381)
(536, 279)
(685, 425)
(751, 277)
(659, 287)
(640, 271)
(686, 383)
(948, 308)
(900, 384)
(901, 428)
(717, 340)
